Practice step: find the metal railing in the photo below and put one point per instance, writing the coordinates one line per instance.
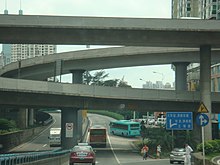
(20, 158)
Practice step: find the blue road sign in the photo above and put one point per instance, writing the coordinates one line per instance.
(179, 121)
(219, 121)
(202, 119)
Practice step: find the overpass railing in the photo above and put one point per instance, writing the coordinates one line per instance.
(25, 158)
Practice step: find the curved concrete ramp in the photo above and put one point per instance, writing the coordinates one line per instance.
(40, 68)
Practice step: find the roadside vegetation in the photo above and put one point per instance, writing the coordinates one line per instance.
(100, 78)
(212, 147)
(107, 113)
(154, 136)
(7, 126)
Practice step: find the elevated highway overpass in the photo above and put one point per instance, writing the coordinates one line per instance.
(202, 34)
(40, 68)
(33, 29)
(28, 93)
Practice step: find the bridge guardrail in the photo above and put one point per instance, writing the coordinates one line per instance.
(20, 158)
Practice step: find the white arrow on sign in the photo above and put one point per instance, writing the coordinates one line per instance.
(171, 125)
(202, 120)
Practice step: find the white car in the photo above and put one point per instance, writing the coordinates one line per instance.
(151, 121)
(160, 122)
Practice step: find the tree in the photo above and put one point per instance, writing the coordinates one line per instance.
(87, 78)
(111, 83)
(123, 83)
(98, 78)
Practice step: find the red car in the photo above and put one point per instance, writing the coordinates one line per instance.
(82, 153)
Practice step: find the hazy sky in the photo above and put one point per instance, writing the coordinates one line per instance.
(102, 8)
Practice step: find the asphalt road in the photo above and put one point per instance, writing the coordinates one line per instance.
(40, 142)
(119, 150)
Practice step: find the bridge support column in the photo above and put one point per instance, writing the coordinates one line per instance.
(205, 85)
(181, 85)
(181, 75)
(30, 116)
(69, 128)
(77, 78)
(58, 67)
(22, 118)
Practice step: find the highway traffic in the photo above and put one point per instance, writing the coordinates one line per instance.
(119, 150)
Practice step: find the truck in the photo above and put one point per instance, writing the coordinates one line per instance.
(55, 137)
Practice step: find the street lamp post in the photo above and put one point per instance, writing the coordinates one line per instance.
(161, 75)
(147, 112)
(142, 80)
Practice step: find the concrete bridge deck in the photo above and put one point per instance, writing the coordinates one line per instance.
(108, 31)
(27, 93)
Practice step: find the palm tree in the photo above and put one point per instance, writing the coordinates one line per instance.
(98, 78)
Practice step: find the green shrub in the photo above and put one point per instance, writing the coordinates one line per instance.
(7, 124)
(218, 145)
(214, 144)
(211, 146)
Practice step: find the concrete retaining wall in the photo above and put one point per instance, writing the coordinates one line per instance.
(198, 159)
(11, 140)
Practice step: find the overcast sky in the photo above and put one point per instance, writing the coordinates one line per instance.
(103, 8)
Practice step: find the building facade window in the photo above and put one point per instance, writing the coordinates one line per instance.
(213, 85)
(218, 83)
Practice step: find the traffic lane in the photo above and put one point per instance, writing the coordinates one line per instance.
(121, 147)
(148, 162)
(41, 141)
(103, 157)
(119, 142)
(106, 157)
(96, 119)
(114, 141)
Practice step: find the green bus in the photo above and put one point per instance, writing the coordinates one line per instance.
(125, 128)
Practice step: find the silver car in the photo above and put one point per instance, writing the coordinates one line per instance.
(177, 155)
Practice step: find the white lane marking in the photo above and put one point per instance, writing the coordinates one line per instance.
(113, 150)
(44, 145)
(30, 141)
(87, 135)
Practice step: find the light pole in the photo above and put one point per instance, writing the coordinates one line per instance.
(161, 77)
(147, 112)
(142, 80)
(160, 74)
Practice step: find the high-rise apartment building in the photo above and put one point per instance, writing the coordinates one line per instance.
(211, 9)
(24, 51)
(204, 9)
(16, 52)
(186, 8)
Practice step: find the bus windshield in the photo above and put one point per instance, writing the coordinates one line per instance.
(98, 135)
(97, 131)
